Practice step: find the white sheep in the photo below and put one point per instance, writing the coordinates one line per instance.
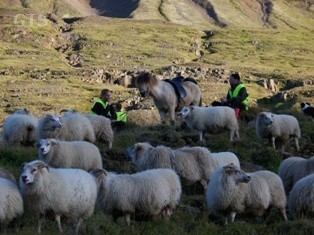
(70, 193)
(192, 164)
(210, 118)
(101, 125)
(102, 128)
(68, 127)
(70, 154)
(301, 199)
(152, 193)
(11, 201)
(272, 126)
(231, 191)
(293, 169)
(19, 128)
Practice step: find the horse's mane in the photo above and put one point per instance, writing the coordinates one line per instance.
(147, 78)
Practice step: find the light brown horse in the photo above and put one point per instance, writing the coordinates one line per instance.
(165, 97)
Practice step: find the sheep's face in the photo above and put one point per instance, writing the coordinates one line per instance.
(185, 111)
(44, 146)
(53, 121)
(267, 118)
(136, 151)
(31, 170)
(235, 175)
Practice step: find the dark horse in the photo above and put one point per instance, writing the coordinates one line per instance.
(165, 96)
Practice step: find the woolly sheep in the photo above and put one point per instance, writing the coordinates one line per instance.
(293, 169)
(69, 154)
(68, 127)
(192, 164)
(11, 202)
(4, 173)
(210, 118)
(70, 193)
(271, 126)
(102, 128)
(101, 125)
(19, 128)
(152, 193)
(301, 200)
(231, 191)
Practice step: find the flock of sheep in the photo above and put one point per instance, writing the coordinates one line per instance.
(68, 178)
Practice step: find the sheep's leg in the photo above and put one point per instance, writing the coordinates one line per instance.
(226, 220)
(273, 141)
(41, 220)
(231, 135)
(232, 216)
(204, 184)
(201, 135)
(297, 143)
(127, 218)
(237, 134)
(283, 213)
(79, 222)
(58, 219)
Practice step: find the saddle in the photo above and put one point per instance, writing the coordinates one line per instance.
(177, 85)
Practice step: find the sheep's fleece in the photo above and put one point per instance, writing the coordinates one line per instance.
(70, 193)
(70, 154)
(211, 118)
(192, 164)
(231, 191)
(272, 126)
(152, 192)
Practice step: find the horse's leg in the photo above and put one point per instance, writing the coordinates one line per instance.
(172, 117)
(163, 116)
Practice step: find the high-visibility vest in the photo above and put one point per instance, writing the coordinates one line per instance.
(103, 103)
(122, 116)
(235, 94)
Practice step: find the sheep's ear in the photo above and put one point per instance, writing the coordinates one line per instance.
(41, 165)
(98, 172)
(191, 108)
(53, 142)
(229, 168)
(22, 167)
(138, 147)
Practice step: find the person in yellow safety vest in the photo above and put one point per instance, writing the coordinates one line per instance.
(103, 105)
(237, 96)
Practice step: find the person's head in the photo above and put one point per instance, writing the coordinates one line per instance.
(234, 78)
(105, 94)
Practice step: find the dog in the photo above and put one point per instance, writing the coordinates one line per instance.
(307, 109)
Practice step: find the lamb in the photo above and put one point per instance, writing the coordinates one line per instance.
(19, 128)
(231, 191)
(293, 169)
(152, 193)
(101, 125)
(68, 128)
(272, 126)
(11, 201)
(192, 164)
(210, 118)
(301, 200)
(69, 154)
(70, 193)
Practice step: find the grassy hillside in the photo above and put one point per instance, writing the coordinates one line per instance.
(52, 58)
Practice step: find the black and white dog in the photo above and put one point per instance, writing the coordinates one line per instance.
(307, 109)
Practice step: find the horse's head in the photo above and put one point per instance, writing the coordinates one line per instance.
(144, 89)
(145, 82)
